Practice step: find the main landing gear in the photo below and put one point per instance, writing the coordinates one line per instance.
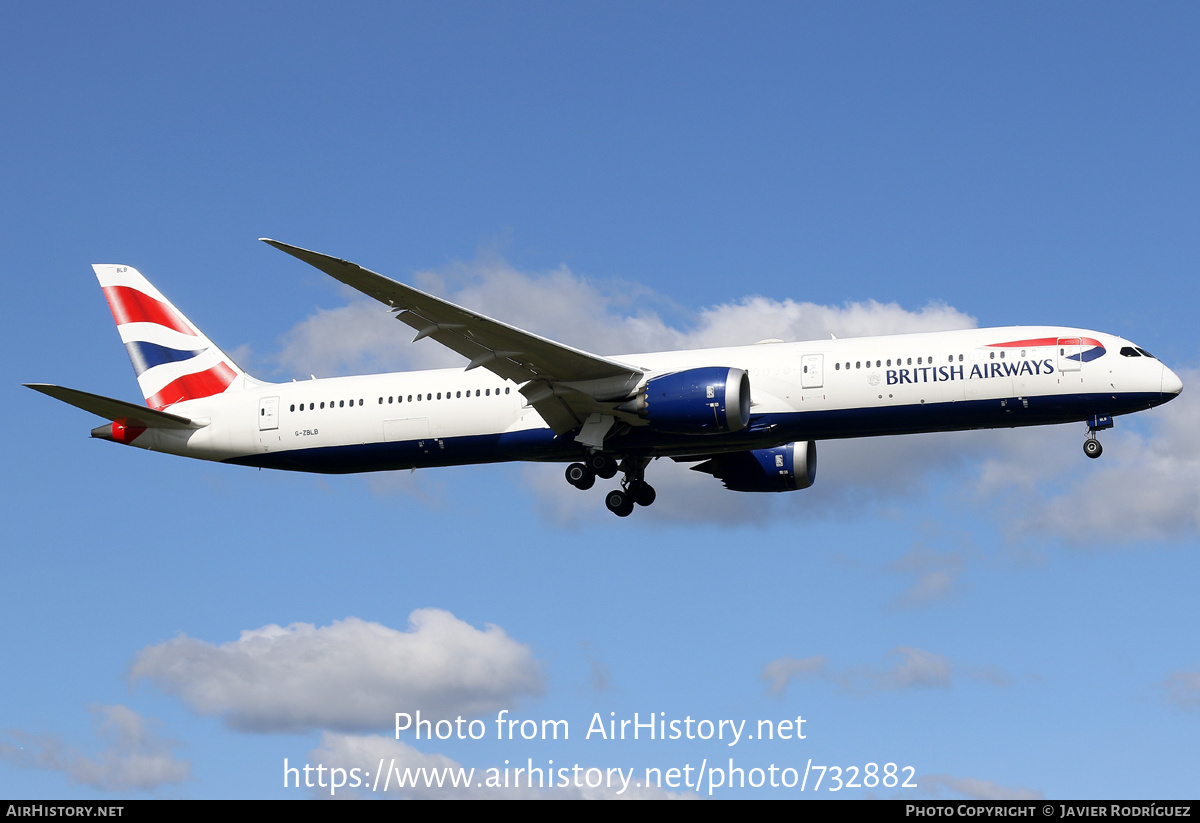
(634, 491)
(1097, 422)
(583, 475)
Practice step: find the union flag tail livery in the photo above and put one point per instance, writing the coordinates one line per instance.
(748, 415)
(173, 359)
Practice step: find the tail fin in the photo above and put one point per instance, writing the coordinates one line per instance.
(173, 359)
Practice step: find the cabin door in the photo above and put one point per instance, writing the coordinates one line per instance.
(812, 376)
(268, 414)
(1070, 353)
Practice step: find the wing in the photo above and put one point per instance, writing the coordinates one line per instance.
(565, 385)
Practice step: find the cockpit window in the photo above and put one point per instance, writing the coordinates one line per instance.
(1145, 353)
(1129, 351)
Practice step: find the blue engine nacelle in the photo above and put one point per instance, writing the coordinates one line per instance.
(711, 400)
(783, 469)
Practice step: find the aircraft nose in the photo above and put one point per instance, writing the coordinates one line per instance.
(1171, 384)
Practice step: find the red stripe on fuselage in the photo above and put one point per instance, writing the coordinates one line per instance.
(1042, 341)
(1047, 341)
(192, 386)
(129, 305)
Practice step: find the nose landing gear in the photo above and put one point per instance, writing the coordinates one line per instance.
(1097, 422)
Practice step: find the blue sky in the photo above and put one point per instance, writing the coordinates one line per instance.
(990, 608)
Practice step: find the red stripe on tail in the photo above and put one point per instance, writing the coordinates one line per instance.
(192, 386)
(129, 305)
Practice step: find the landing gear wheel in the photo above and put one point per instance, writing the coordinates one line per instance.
(618, 503)
(602, 464)
(580, 476)
(641, 492)
(1092, 448)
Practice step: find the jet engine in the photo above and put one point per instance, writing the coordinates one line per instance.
(710, 400)
(783, 469)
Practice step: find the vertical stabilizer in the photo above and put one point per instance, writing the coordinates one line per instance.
(173, 359)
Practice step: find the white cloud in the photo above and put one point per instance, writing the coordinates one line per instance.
(614, 319)
(601, 677)
(912, 668)
(936, 576)
(361, 338)
(976, 789)
(732, 324)
(609, 318)
(1146, 486)
(352, 675)
(134, 757)
(782, 671)
(916, 667)
(1183, 687)
(366, 752)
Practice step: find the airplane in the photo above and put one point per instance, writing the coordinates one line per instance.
(748, 415)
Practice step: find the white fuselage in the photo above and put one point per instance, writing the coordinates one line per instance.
(814, 390)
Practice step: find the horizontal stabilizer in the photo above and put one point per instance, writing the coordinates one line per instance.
(110, 409)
